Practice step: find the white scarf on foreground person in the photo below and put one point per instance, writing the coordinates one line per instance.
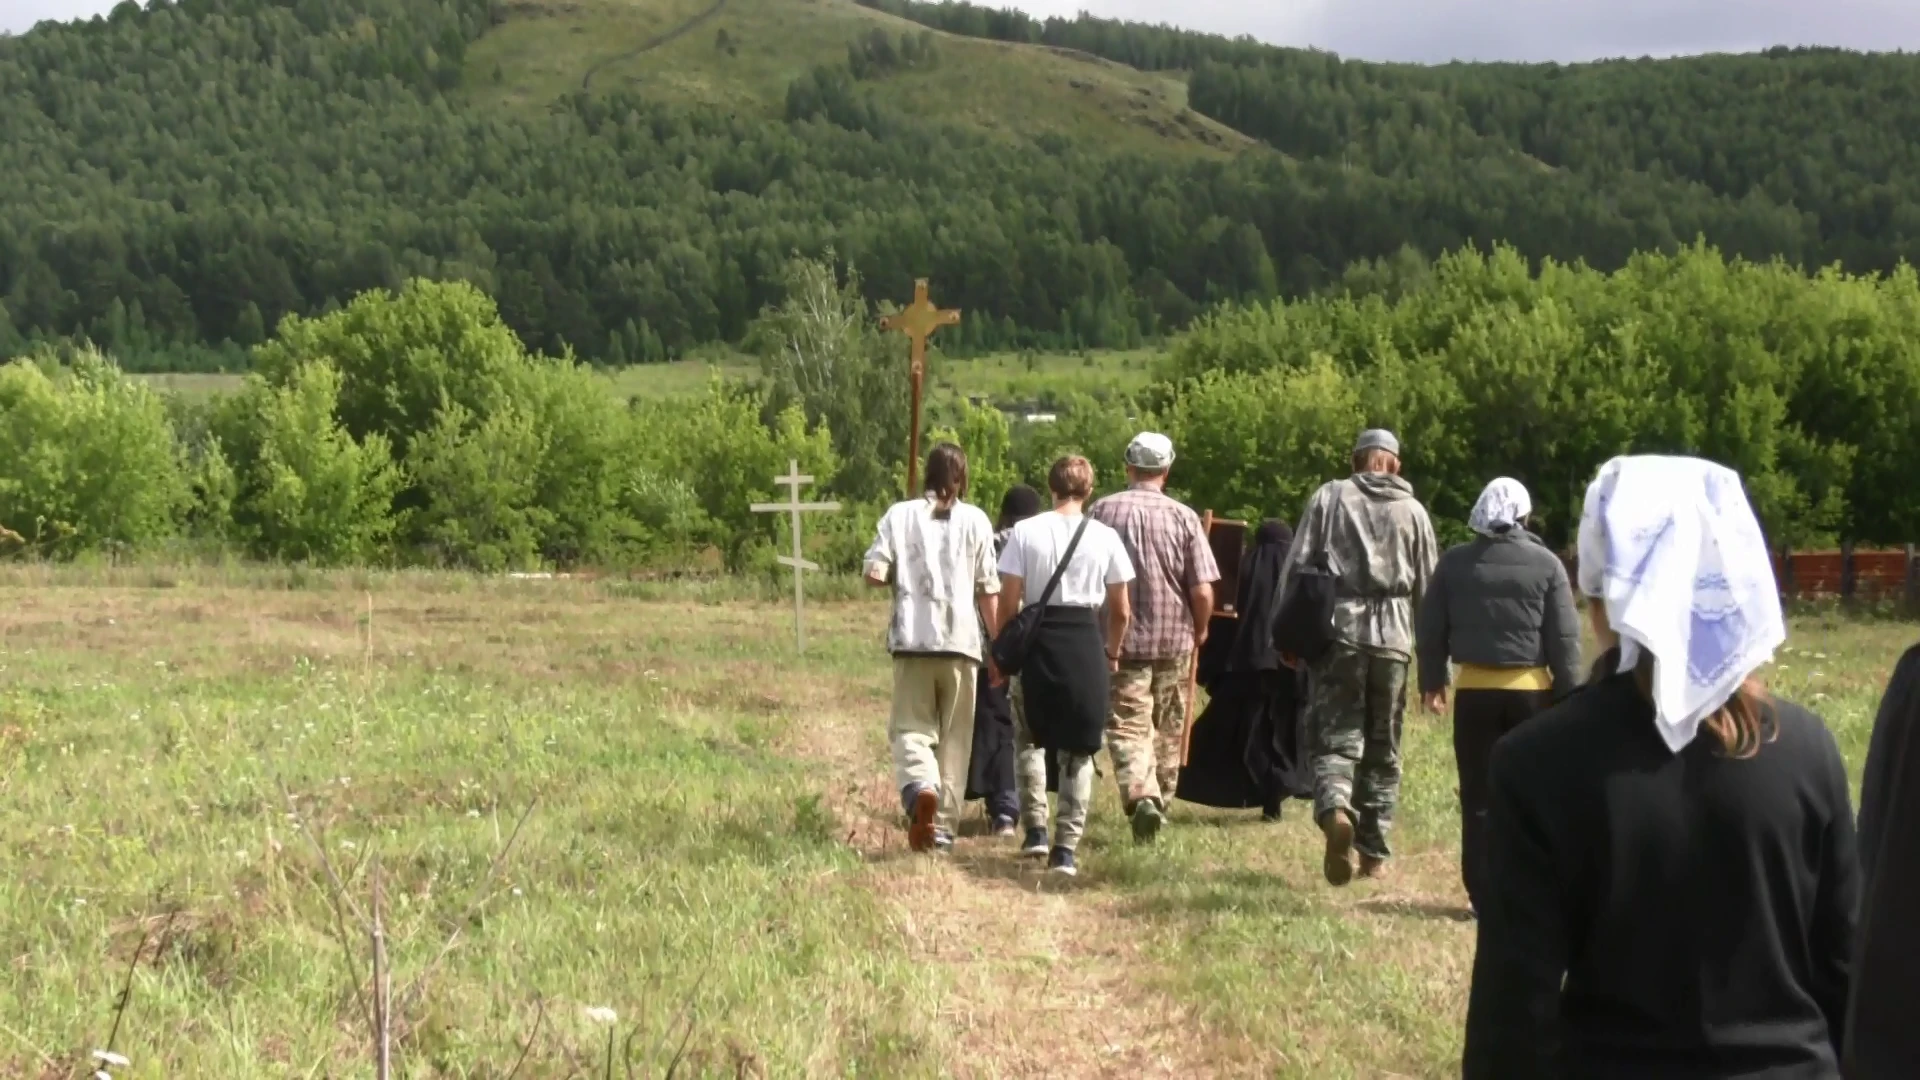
(1672, 547)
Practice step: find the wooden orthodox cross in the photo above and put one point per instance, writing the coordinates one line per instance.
(794, 507)
(917, 321)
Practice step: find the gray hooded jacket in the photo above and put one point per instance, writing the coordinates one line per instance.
(1380, 545)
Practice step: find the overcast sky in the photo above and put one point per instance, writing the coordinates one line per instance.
(1439, 30)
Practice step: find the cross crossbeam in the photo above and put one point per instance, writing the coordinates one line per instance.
(918, 321)
(793, 481)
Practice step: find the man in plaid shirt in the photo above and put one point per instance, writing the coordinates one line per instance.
(1172, 602)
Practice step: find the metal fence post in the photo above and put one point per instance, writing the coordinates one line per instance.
(1847, 572)
(1913, 580)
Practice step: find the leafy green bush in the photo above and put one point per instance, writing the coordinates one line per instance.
(88, 459)
(310, 491)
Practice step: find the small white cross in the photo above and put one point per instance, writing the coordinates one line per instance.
(793, 480)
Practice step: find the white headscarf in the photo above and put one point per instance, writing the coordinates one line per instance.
(1672, 547)
(1500, 507)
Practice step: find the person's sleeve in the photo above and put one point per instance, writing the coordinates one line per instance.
(1513, 1009)
(986, 576)
(1306, 538)
(1430, 634)
(1836, 903)
(880, 556)
(1426, 556)
(1202, 567)
(1013, 557)
(1561, 632)
(1119, 567)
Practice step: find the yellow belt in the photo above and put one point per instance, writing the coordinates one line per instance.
(1476, 677)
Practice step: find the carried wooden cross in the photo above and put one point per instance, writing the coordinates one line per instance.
(917, 321)
(793, 506)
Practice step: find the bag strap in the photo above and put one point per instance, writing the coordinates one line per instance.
(1046, 594)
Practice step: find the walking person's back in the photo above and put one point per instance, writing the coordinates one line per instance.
(1172, 604)
(1672, 874)
(1375, 538)
(1501, 608)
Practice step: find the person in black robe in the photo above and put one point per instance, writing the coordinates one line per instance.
(1883, 1040)
(1248, 747)
(990, 775)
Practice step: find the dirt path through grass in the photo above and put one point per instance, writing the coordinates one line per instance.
(1046, 977)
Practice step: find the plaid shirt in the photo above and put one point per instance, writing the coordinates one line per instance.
(1170, 557)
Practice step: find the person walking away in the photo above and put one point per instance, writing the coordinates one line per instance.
(1500, 607)
(990, 771)
(1883, 1041)
(1379, 545)
(1248, 748)
(1172, 602)
(1672, 875)
(936, 552)
(1060, 696)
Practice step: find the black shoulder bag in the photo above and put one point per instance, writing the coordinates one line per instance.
(1303, 621)
(1010, 649)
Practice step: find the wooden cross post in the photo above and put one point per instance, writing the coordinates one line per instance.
(794, 507)
(917, 321)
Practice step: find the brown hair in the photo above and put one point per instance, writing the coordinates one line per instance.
(947, 472)
(1376, 460)
(1742, 724)
(1071, 477)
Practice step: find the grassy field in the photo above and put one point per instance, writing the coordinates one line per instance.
(708, 851)
(1002, 377)
(548, 48)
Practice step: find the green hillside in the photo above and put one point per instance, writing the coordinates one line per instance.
(628, 179)
(742, 55)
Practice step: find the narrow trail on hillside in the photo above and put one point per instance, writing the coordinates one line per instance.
(655, 42)
(1047, 978)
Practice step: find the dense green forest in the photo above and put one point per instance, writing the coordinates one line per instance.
(180, 178)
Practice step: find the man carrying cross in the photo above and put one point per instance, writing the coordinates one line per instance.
(937, 553)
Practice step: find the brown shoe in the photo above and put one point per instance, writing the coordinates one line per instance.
(926, 806)
(1372, 866)
(1338, 865)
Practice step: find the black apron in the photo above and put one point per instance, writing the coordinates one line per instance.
(1066, 682)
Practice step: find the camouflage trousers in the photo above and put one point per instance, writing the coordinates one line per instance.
(1147, 728)
(1356, 706)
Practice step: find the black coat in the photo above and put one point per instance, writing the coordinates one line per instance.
(1883, 1033)
(1699, 908)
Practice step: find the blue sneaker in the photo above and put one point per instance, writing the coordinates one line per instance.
(1035, 846)
(1061, 862)
(1001, 826)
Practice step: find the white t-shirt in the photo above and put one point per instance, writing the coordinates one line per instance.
(938, 564)
(1035, 548)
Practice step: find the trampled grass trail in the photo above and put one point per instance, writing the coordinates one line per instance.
(710, 869)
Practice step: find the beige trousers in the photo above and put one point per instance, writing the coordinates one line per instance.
(931, 728)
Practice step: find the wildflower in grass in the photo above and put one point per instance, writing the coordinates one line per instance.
(110, 1059)
(600, 1014)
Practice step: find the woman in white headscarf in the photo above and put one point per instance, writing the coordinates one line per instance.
(1672, 868)
(1501, 608)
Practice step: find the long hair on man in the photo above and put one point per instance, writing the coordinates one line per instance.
(947, 472)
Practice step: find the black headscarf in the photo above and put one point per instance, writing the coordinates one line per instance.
(1020, 503)
(1882, 1041)
(1251, 648)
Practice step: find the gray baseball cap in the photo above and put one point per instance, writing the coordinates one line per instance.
(1377, 439)
(1150, 450)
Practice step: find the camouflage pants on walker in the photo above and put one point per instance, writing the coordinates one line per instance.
(1356, 708)
(1147, 728)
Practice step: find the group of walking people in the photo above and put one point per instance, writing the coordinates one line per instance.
(1661, 855)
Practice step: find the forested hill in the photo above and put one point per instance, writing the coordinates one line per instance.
(628, 176)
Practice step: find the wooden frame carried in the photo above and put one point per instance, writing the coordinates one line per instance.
(1228, 539)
